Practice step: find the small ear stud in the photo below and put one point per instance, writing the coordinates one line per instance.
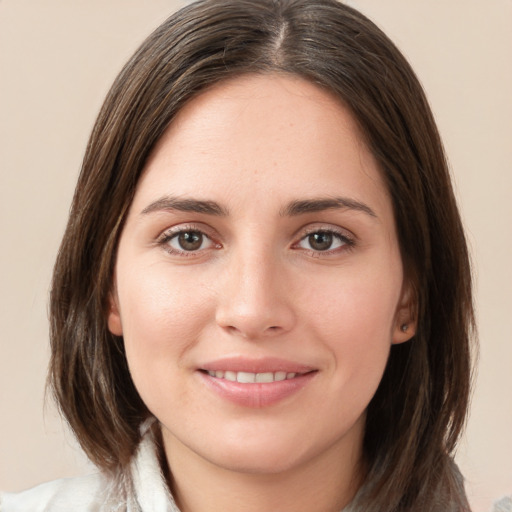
(404, 327)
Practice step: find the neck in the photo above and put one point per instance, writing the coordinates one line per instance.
(327, 483)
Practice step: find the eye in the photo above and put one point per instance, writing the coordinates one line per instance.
(186, 241)
(323, 240)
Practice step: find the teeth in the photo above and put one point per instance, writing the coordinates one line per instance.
(245, 377)
(248, 377)
(265, 377)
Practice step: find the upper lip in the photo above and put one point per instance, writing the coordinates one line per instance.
(260, 365)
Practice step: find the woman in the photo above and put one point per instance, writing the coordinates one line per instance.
(262, 300)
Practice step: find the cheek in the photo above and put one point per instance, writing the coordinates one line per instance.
(162, 316)
(354, 307)
(354, 320)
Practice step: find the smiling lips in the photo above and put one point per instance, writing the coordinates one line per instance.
(249, 377)
(259, 383)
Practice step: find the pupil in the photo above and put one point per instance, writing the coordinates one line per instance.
(190, 240)
(320, 241)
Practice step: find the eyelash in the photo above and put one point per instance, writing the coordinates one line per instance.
(165, 239)
(347, 241)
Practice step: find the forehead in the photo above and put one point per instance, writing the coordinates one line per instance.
(262, 133)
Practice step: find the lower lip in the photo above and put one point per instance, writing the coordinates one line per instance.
(256, 395)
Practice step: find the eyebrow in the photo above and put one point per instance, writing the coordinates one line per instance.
(330, 203)
(185, 205)
(293, 209)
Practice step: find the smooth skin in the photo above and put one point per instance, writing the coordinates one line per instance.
(261, 227)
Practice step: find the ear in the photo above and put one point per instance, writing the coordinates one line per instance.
(406, 316)
(114, 317)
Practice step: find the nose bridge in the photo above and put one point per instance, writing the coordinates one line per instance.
(253, 300)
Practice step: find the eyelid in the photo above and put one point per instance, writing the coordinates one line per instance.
(348, 238)
(169, 233)
(327, 228)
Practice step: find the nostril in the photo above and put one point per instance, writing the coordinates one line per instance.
(256, 320)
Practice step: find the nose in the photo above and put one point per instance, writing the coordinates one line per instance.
(254, 300)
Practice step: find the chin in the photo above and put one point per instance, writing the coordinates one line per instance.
(260, 461)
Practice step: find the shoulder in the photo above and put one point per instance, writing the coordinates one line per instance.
(82, 494)
(503, 505)
(142, 483)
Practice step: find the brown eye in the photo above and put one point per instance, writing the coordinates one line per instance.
(321, 241)
(189, 241)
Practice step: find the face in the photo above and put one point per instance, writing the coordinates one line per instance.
(258, 282)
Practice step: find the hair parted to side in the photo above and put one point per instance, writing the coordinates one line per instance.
(419, 410)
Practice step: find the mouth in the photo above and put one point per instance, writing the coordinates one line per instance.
(256, 383)
(253, 378)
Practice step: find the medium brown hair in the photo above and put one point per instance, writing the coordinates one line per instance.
(418, 412)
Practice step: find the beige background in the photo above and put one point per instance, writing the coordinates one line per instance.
(57, 60)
